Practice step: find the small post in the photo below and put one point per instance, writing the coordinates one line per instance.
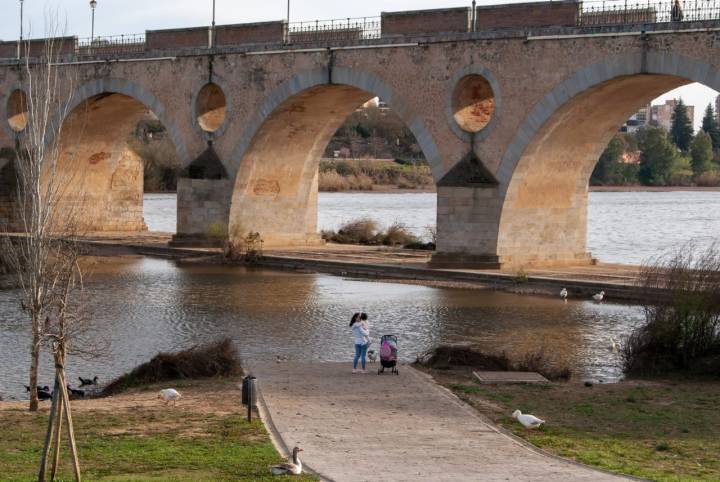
(249, 400)
(474, 16)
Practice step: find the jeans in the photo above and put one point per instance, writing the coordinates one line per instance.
(360, 353)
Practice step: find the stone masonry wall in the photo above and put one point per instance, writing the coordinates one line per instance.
(177, 38)
(535, 14)
(426, 21)
(250, 33)
(203, 206)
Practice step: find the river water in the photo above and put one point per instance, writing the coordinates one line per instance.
(144, 305)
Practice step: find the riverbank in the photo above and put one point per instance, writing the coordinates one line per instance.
(658, 430)
(134, 436)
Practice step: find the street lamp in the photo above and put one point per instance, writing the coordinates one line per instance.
(93, 4)
(21, 29)
(212, 29)
(288, 12)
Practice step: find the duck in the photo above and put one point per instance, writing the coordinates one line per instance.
(564, 294)
(88, 381)
(527, 420)
(75, 392)
(372, 356)
(44, 395)
(44, 388)
(280, 358)
(169, 395)
(294, 468)
(598, 297)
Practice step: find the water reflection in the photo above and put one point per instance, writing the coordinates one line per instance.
(145, 305)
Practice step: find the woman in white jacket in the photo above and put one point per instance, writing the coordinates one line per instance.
(361, 333)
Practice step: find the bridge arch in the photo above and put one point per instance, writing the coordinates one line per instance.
(545, 171)
(99, 154)
(275, 163)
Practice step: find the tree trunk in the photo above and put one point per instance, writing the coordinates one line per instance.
(49, 435)
(34, 363)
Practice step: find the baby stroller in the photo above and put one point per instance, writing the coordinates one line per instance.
(388, 354)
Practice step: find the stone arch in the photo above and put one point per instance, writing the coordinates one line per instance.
(545, 171)
(274, 165)
(100, 157)
(141, 94)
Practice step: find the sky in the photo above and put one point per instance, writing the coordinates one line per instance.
(114, 17)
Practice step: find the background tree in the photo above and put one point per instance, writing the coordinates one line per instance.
(657, 157)
(681, 129)
(710, 126)
(701, 153)
(606, 170)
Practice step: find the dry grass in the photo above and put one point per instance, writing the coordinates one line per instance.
(368, 175)
(215, 359)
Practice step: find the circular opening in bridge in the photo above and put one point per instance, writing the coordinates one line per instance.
(473, 103)
(17, 110)
(210, 107)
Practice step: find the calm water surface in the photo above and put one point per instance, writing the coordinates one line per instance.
(145, 305)
(623, 227)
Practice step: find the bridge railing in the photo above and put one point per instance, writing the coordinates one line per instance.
(619, 12)
(112, 46)
(341, 31)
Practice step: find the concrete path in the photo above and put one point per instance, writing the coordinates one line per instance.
(394, 428)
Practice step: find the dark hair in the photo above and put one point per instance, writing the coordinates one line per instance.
(354, 318)
(363, 316)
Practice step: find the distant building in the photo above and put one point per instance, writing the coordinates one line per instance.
(638, 120)
(661, 115)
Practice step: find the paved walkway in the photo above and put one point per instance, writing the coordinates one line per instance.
(395, 428)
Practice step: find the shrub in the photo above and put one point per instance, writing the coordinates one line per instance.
(681, 300)
(214, 359)
(331, 181)
(708, 179)
(398, 235)
(446, 356)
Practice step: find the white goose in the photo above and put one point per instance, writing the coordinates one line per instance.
(598, 297)
(528, 421)
(294, 468)
(563, 294)
(169, 395)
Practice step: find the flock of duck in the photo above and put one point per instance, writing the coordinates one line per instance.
(44, 392)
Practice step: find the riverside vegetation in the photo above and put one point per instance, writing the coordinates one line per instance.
(131, 435)
(367, 232)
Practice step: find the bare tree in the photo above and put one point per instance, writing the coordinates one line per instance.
(33, 254)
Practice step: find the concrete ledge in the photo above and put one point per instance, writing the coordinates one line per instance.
(468, 261)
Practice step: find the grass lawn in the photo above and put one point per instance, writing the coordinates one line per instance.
(658, 430)
(134, 436)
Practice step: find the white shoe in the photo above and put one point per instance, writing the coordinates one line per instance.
(355, 370)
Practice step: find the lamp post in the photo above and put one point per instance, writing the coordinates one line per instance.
(288, 12)
(212, 29)
(474, 16)
(21, 29)
(93, 4)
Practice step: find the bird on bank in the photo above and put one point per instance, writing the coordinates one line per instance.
(294, 468)
(169, 395)
(598, 297)
(372, 356)
(564, 294)
(75, 392)
(88, 381)
(527, 420)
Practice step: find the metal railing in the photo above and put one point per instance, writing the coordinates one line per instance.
(619, 12)
(110, 47)
(345, 31)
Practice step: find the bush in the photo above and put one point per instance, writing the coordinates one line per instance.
(398, 235)
(708, 179)
(681, 300)
(447, 356)
(331, 181)
(359, 231)
(215, 359)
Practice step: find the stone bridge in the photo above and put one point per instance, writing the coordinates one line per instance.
(512, 106)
